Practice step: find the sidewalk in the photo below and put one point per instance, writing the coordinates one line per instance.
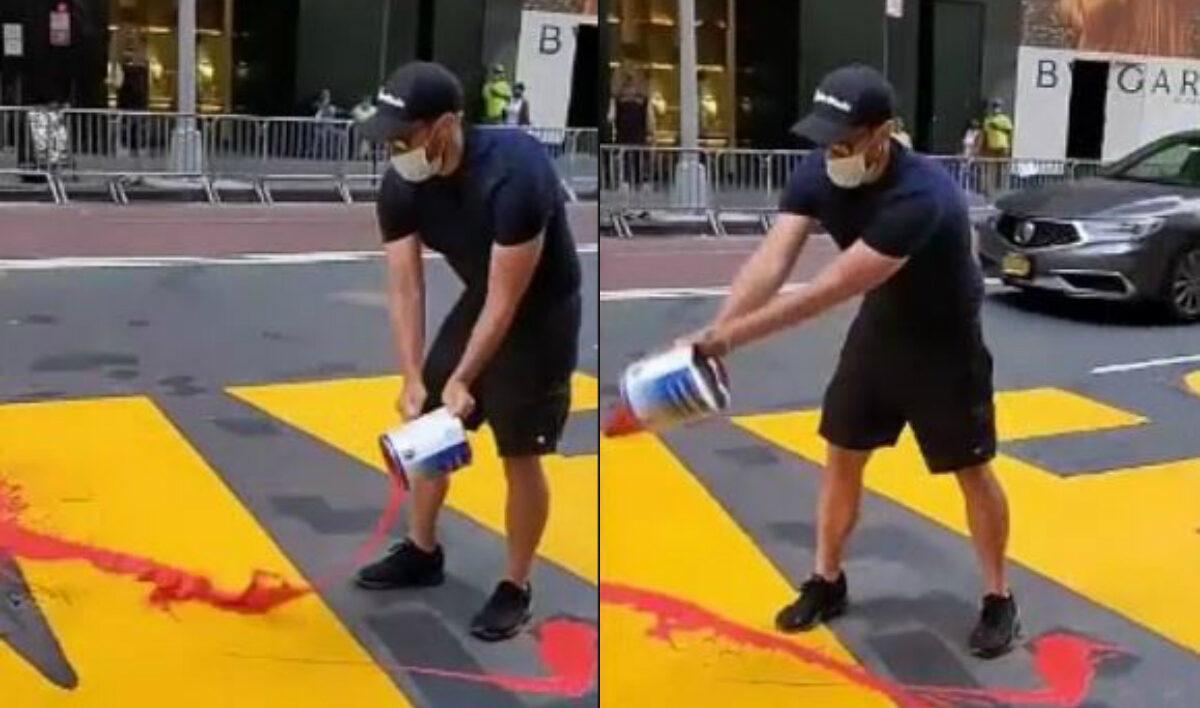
(48, 231)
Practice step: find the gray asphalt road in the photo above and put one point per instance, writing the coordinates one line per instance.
(181, 335)
(916, 584)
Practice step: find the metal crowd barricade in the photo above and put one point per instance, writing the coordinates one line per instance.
(112, 150)
(713, 187)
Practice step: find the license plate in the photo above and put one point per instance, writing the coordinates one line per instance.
(1017, 266)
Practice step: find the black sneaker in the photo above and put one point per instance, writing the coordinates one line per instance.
(998, 627)
(505, 613)
(819, 600)
(405, 566)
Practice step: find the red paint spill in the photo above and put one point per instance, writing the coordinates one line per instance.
(676, 615)
(264, 592)
(622, 422)
(1066, 664)
(566, 647)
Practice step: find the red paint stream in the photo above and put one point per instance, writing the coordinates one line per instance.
(1065, 663)
(264, 592)
(621, 422)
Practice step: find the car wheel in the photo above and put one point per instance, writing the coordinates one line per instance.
(1183, 286)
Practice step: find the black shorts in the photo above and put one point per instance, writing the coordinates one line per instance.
(524, 393)
(940, 386)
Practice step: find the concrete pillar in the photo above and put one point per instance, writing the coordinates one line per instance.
(691, 184)
(186, 153)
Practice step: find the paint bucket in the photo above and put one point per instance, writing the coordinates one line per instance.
(672, 388)
(433, 445)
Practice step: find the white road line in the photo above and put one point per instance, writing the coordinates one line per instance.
(258, 259)
(1148, 364)
(629, 294)
(674, 293)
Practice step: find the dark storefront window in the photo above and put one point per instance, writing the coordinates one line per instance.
(143, 43)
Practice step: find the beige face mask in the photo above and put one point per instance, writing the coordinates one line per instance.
(849, 172)
(415, 165)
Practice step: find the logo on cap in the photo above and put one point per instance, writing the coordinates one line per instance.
(834, 101)
(393, 101)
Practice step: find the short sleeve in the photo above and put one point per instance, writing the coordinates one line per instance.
(904, 225)
(802, 195)
(396, 208)
(522, 206)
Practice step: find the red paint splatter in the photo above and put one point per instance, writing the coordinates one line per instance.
(264, 592)
(1066, 664)
(676, 615)
(566, 647)
(621, 422)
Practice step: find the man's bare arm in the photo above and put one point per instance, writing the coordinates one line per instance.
(406, 303)
(764, 273)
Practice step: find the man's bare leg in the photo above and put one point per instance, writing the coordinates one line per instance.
(825, 596)
(525, 513)
(837, 507)
(428, 495)
(987, 517)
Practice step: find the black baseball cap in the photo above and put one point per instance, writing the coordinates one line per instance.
(848, 98)
(417, 91)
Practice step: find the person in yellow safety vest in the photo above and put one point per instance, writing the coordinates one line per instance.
(997, 132)
(496, 94)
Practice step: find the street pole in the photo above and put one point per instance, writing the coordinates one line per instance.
(186, 149)
(689, 102)
(691, 186)
(383, 40)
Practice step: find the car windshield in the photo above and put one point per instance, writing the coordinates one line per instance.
(1175, 162)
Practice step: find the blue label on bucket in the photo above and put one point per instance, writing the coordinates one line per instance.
(673, 388)
(432, 445)
(441, 463)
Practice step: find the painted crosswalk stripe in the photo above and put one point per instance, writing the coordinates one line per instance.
(349, 415)
(663, 532)
(117, 473)
(1148, 513)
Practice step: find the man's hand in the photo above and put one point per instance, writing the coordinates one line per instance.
(412, 398)
(457, 398)
(708, 342)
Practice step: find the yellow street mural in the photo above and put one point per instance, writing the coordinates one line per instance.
(124, 477)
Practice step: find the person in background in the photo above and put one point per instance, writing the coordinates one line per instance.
(517, 110)
(997, 132)
(326, 111)
(497, 92)
(360, 113)
(997, 144)
(133, 93)
(632, 118)
(972, 139)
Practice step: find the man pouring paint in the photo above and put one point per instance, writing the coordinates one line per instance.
(914, 355)
(490, 202)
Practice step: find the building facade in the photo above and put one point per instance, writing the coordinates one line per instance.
(1100, 78)
(275, 56)
(759, 61)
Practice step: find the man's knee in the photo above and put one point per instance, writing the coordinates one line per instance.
(978, 479)
(841, 462)
(520, 467)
